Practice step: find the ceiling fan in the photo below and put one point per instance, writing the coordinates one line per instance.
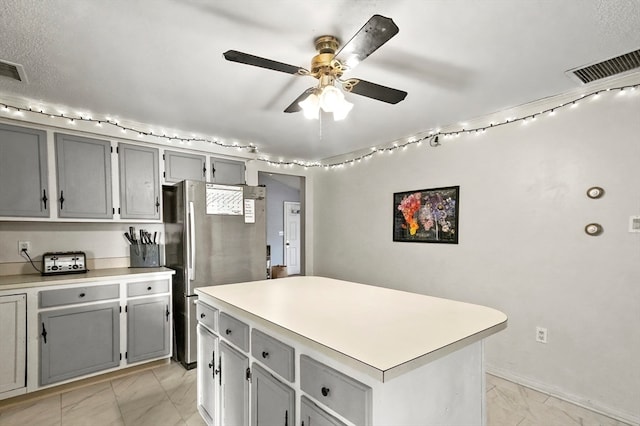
(329, 65)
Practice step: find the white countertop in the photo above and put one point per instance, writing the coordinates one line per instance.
(388, 331)
(10, 282)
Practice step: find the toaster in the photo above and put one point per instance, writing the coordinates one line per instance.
(67, 262)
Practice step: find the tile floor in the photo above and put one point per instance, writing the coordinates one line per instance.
(166, 395)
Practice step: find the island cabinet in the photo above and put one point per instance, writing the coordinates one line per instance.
(399, 359)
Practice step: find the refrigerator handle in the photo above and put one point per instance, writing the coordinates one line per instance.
(192, 242)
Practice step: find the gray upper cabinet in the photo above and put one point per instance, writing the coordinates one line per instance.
(84, 177)
(227, 171)
(23, 172)
(179, 166)
(139, 182)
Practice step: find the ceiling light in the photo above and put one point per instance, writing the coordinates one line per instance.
(328, 98)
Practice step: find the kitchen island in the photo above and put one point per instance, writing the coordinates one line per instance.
(341, 353)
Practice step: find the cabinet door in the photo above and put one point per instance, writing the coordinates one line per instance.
(23, 172)
(227, 171)
(312, 415)
(148, 328)
(139, 182)
(78, 341)
(208, 363)
(13, 335)
(84, 177)
(234, 391)
(272, 402)
(179, 166)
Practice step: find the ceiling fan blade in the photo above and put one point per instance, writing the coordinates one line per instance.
(256, 61)
(294, 107)
(377, 91)
(376, 32)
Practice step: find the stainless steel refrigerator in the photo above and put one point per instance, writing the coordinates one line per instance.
(214, 234)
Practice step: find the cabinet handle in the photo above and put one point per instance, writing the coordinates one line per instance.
(61, 199)
(44, 198)
(202, 315)
(157, 205)
(213, 172)
(167, 311)
(220, 370)
(227, 331)
(204, 171)
(325, 391)
(286, 417)
(81, 295)
(149, 288)
(44, 333)
(265, 354)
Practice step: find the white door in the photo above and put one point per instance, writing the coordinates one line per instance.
(292, 237)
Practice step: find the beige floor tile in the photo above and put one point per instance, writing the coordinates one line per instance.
(42, 412)
(163, 413)
(499, 412)
(196, 420)
(139, 391)
(180, 385)
(92, 405)
(579, 415)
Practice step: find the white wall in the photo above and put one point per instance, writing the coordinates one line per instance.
(522, 247)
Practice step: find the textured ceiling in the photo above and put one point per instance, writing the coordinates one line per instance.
(160, 61)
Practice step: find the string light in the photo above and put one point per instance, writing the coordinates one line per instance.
(432, 137)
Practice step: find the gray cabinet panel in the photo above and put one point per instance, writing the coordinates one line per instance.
(272, 402)
(148, 328)
(144, 288)
(139, 182)
(13, 338)
(312, 415)
(69, 296)
(227, 171)
(273, 353)
(23, 172)
(347, 396)
(234, 396)
(207, 376)
(234, 331)
(181, 165)
(207, 315)
(78, 341)
(84, 177)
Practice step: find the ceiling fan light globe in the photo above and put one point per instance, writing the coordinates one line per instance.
(330, 98)
(342, 110)
(311, 107)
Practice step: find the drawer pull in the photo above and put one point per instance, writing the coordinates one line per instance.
(202, 315)
(149, 288)
(81, 295)
(227, 331)
(325, 391)
(265, 354)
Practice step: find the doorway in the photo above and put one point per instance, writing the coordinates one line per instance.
(291, 221)
(280, 189)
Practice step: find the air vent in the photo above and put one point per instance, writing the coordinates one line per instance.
(614, 66)
(12, 71)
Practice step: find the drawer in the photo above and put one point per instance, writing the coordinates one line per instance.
(206, 315)
(234, 331)
(311, 414)
(345, 395)
(273, 353)
(69, 296)
(147, 287)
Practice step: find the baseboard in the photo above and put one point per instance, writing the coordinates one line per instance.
(563, 395)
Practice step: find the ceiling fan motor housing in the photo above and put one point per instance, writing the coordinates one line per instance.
(321, 64)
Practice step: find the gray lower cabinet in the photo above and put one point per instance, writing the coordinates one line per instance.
(23, 172)
(229, 172)
(83, 167)
(13, 335)
(179, 166)
(139, 182)
(148, 328)
(272, 402)
(312, 415)
(78, 341)
(234, 391)
(208, 376)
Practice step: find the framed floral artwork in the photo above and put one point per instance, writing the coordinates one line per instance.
(427, 215)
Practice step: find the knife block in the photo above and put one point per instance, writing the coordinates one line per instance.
(144, 255)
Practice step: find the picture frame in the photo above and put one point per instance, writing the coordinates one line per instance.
(427, 215)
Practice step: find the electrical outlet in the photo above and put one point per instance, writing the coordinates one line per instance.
(24, 246)
(541, 334)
